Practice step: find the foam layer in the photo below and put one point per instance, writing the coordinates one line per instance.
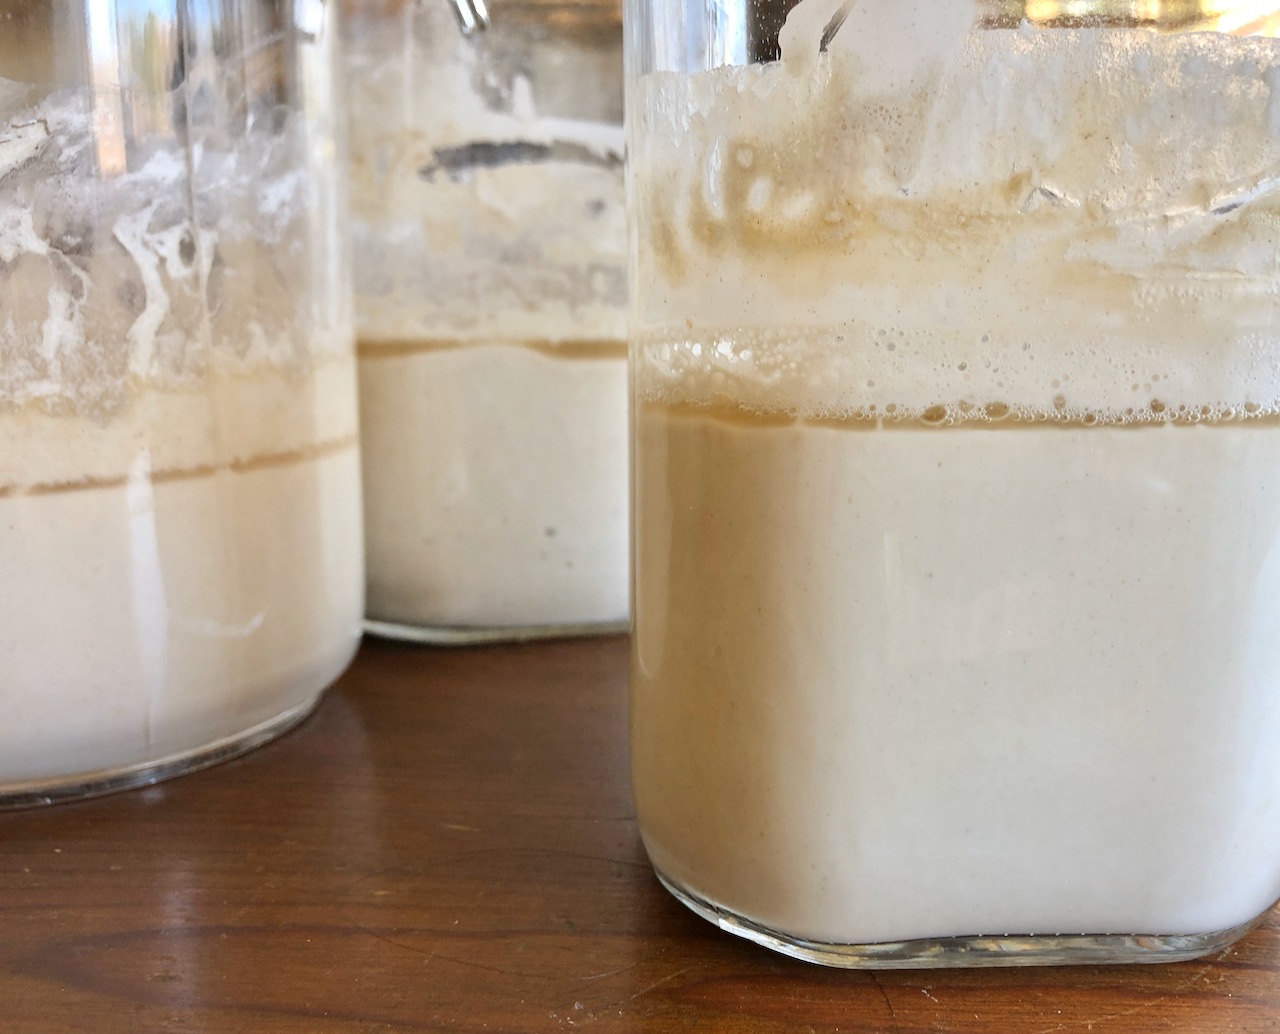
(1071, 225)
(940, 378)
(233, 419)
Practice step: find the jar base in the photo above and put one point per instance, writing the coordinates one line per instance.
(97, 784)
(969, 952)
(453, 635)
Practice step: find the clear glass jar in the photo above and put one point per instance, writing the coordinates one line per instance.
(957, 474)
(490, 242)
(180, 525)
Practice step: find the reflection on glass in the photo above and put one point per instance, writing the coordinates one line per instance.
(1239, 17)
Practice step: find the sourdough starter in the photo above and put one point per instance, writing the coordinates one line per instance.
(176, 597)
(179, 482)
(490, 242)
(958, 486)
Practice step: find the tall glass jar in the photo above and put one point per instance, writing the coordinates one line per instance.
(180, 525)
(957, 474)
(490, 243)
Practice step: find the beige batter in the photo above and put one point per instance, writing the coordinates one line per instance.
(895, 684)
(178, 592)
(498, 486)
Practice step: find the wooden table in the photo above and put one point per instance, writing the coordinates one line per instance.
(448, 844)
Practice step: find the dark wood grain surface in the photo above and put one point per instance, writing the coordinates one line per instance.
(448, 844)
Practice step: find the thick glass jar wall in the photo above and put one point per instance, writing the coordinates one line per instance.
(955, 436)
(490, 275)
(179, 483)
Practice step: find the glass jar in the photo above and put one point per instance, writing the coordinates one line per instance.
(956, 367)
(179, 483)
(490, 242)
